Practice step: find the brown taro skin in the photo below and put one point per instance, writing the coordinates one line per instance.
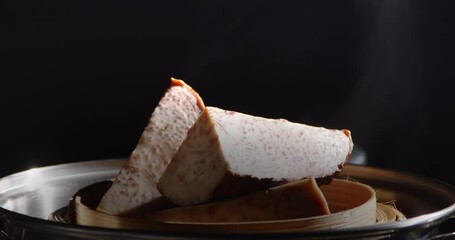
(135, 185)
(228, 153)
(289, 201)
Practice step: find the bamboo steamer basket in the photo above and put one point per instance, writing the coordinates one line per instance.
(352, 204)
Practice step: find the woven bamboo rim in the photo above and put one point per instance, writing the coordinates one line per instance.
(352, 204)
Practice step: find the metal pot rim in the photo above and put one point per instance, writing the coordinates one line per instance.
(13, 219)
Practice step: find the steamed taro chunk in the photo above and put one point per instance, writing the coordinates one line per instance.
(227, 154)
(136, 183)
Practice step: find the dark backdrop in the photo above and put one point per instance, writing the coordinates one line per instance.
(79, 80)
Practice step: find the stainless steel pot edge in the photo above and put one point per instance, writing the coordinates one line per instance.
(16, 223)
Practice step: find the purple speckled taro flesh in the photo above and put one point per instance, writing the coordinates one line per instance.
(135, 185)
(227, 154)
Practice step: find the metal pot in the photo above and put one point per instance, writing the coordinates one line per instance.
(28, 198)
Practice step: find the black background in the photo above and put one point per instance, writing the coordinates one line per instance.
(79, 80)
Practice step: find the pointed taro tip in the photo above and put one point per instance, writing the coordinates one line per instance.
(177, 82)
(180, 83)
(351, 145)
(347, 133)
